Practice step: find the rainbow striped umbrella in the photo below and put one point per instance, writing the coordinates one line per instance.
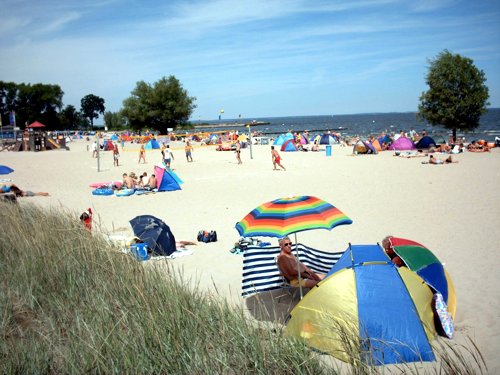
(284, 216)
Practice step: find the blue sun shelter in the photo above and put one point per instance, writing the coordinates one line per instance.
(167, 179)
(383, 310)
(282, 138)
(289, 145)
(152, 144)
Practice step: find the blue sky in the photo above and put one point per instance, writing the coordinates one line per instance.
(259, 58)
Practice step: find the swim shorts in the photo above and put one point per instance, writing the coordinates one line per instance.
(295, 282)
(28, 193)
(277, 160)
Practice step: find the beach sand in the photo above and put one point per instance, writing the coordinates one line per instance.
(451, 209)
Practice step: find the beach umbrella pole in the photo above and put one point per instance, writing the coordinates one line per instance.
(298, 265)
(250, 140)
(98, 155)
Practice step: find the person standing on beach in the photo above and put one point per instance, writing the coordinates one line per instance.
(188, 149)
(276, 159)
(238, 152)
(116, 154)
(94, 149)
(167, 156)
(142, 155)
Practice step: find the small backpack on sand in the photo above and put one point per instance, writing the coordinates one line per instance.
(206, 236)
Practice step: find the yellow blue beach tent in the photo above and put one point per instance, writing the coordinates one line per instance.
(367, 305)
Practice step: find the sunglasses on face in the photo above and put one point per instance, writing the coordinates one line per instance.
(287, 244)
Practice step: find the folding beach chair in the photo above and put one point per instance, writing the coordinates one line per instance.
(261, 273)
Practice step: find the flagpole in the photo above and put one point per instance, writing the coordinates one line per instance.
(250, 140)
(98, 146)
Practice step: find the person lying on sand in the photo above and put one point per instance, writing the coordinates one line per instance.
(433, 160)
(411, 154)
(21, 193)
(477, 147)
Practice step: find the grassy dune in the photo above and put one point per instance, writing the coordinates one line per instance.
(71, 303)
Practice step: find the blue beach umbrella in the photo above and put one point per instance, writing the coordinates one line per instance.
(5, 170)
(155, 233)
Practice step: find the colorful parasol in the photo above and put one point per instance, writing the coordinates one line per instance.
(284, 216)
(421, 260)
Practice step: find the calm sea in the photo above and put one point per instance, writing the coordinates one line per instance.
(365, 124)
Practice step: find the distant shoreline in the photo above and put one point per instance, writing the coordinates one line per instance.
(231, 124)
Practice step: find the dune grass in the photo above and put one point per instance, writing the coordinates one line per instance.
(71, 303)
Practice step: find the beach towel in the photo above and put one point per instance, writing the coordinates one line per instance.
(260, 272)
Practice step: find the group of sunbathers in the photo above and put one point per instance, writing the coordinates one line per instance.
(142, 182)
(478, 147)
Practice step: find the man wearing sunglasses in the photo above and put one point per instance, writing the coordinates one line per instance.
(289, 267)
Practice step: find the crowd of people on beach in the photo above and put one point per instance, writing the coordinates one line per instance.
(235, 142)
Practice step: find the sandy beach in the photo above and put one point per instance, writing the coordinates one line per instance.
(452, 209)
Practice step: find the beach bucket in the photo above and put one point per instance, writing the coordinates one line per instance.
(140, 251)
(328, 150)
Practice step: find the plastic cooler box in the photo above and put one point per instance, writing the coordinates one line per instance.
(140, 251)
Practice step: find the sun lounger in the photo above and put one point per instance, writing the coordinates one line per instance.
(260, 272)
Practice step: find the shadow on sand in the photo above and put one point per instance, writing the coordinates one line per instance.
(273, 306)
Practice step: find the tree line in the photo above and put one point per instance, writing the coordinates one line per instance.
(456, 99)
(165, 104)
(25, 103)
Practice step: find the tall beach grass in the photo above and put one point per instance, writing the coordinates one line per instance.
(71, 303)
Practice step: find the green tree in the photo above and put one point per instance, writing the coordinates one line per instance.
(70, 117)
(165, 104)
(114, 120)
(37, 102)
(457, 95)
(91, 106)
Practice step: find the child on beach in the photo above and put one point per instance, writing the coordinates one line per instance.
(276, 159)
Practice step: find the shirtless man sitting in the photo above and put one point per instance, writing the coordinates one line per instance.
(128, 181)
(152, 182)
(289, 266)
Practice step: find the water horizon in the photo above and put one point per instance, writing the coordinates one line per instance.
(361, 124)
